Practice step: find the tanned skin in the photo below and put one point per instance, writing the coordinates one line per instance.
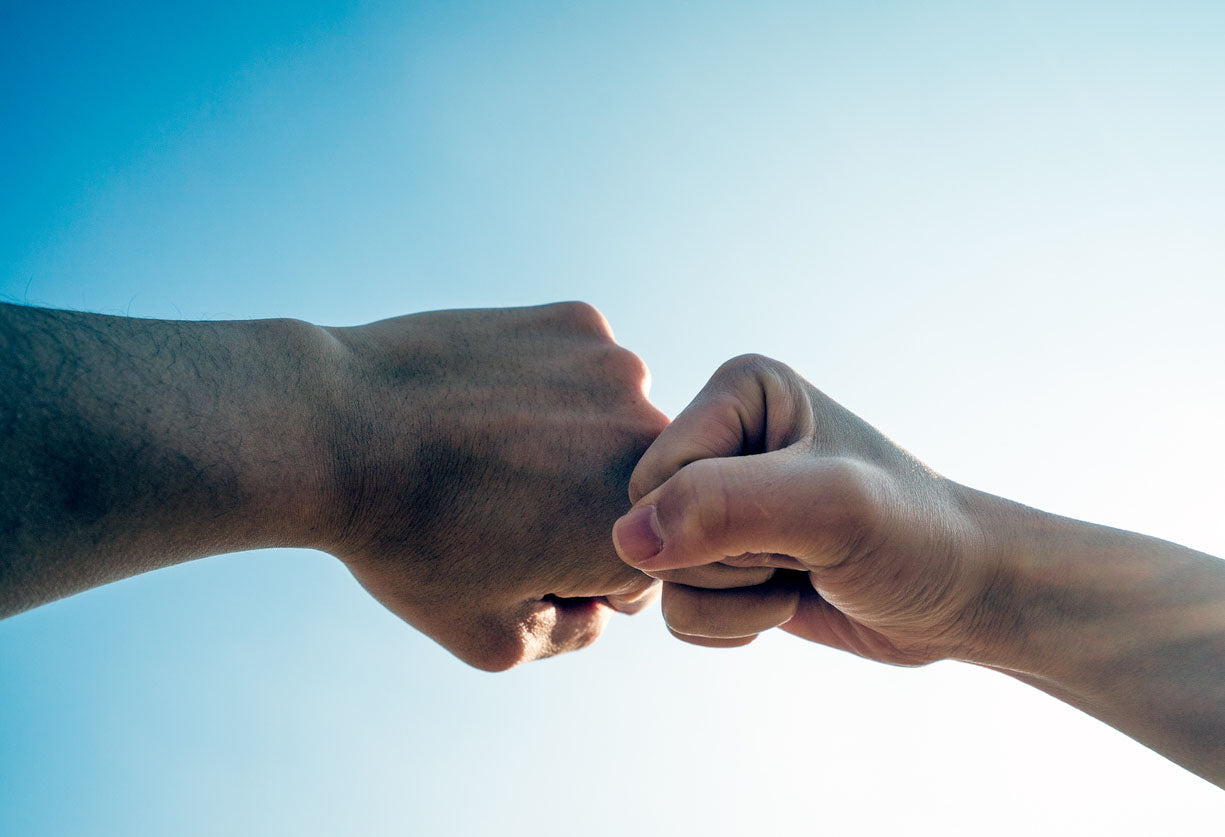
(465, 465)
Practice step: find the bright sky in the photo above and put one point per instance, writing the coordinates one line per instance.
(992, 229)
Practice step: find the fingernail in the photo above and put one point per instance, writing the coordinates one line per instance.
(637, 535)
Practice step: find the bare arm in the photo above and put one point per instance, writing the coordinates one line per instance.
(133, 444)
(465, 465)
(766, 504)
(1128, 628)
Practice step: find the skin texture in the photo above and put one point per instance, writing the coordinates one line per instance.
(465, 465)
(483, 519)
(765, 504)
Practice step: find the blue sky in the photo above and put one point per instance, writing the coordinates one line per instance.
(992, 229)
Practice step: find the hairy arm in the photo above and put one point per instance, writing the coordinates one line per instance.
(132, 444)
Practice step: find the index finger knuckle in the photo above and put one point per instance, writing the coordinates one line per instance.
(695, 511)
(583, 318)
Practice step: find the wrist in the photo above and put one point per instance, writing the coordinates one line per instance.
(1019, 610)
(1053, 580)
(376, 433)
(1082, 607)
(292, 459)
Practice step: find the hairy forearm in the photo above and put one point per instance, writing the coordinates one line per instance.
(1128, 628)
(132, 444)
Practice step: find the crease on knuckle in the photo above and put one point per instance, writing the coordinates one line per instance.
(746, 364)
(707, 521)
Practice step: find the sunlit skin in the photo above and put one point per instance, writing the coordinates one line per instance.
(466, 466)
(765, 504)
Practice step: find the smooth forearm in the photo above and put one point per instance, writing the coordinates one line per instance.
(133, 444)
(1128, 628)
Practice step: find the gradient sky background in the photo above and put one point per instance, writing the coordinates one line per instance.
(992, 229)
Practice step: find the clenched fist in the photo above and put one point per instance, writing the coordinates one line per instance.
(765, 504)
(465, 465)
(483, 456)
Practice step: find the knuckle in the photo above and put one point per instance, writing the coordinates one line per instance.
(625, 367)
(849, 497)
(583, 317)
(766, 370)
(746, 364)
(652, 420)
(705, 511)
(725, 408)
(714, 508)
(497, 649)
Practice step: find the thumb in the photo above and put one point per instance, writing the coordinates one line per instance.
(814, 509)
